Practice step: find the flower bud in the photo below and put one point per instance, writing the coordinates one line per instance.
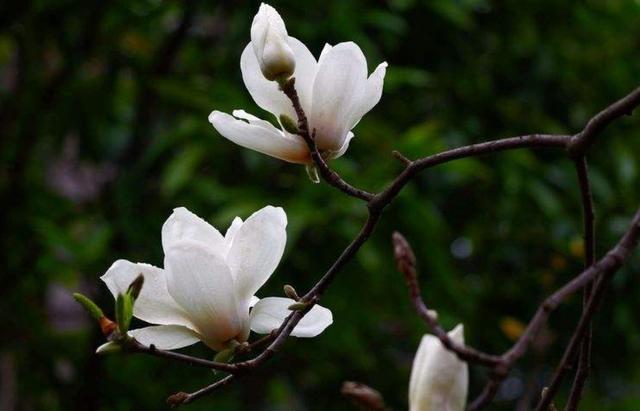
(124, 312)
(439, 379)
(290, 292)
(269, 39)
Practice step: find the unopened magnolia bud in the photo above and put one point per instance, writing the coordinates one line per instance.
(439, 379)
(177, 399)
(290, 292)
(403, 253)
(270, 43)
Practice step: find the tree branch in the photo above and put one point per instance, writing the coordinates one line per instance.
(584, 361)
(330, 176)
(406, 262)
(376, 203)
(581, 142)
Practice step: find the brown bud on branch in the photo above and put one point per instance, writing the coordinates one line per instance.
(363, 396)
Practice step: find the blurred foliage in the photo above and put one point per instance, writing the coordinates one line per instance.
(103, 130)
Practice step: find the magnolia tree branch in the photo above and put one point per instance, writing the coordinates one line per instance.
(576, 145)
(330, 176)
(588, 215)
(500, 365)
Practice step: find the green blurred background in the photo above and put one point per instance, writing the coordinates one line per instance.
(103, 130)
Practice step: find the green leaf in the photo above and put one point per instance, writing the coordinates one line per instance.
(91, 307)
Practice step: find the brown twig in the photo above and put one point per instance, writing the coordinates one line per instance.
(500, 365)
(182, 398)
(330, 176)
(584, 361)
(406, 262)
(581, 142)
(365, 397)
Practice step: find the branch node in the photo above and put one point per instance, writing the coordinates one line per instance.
(399, 156)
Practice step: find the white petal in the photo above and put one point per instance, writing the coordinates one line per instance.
(269, 313)
(233, 230)
(305, 74)
(267, 94)
(251, 119)
(372, 93)
(338, 88)
(260, 137)
(254, 300)
(439, 379)
(325, 50)
(165, 337)
(200, 281)
(184, 225)
(344, 147)
(257, 249)
(154, 304)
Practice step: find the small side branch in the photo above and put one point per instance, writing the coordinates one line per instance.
(406, 263)
(182, 398)
(584, 361)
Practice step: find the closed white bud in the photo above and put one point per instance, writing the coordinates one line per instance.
(439, 379)
(269, 39)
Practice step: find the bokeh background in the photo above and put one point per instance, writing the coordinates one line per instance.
(103, 130)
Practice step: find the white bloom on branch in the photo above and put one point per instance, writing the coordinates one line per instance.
(206, 291)
(335, 93)
(269, 40)
(439, 379)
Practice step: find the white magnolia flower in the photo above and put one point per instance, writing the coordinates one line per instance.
(269, 40)
(439, 379)
(206, 290)
(334, 92)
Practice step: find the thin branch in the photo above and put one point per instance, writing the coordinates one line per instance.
(584, 361)
(605, 267)
(136, 347)
(384, 198)
(182, 398)
(486, 396)
(574, 342)
(330, 176)
(406, 263)
(581, 142)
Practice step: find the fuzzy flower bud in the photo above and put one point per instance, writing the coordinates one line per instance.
(270, 44)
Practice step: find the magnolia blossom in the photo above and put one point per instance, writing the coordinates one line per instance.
(439, 379)
(269, 40)
(334, 92)
(206, 290)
